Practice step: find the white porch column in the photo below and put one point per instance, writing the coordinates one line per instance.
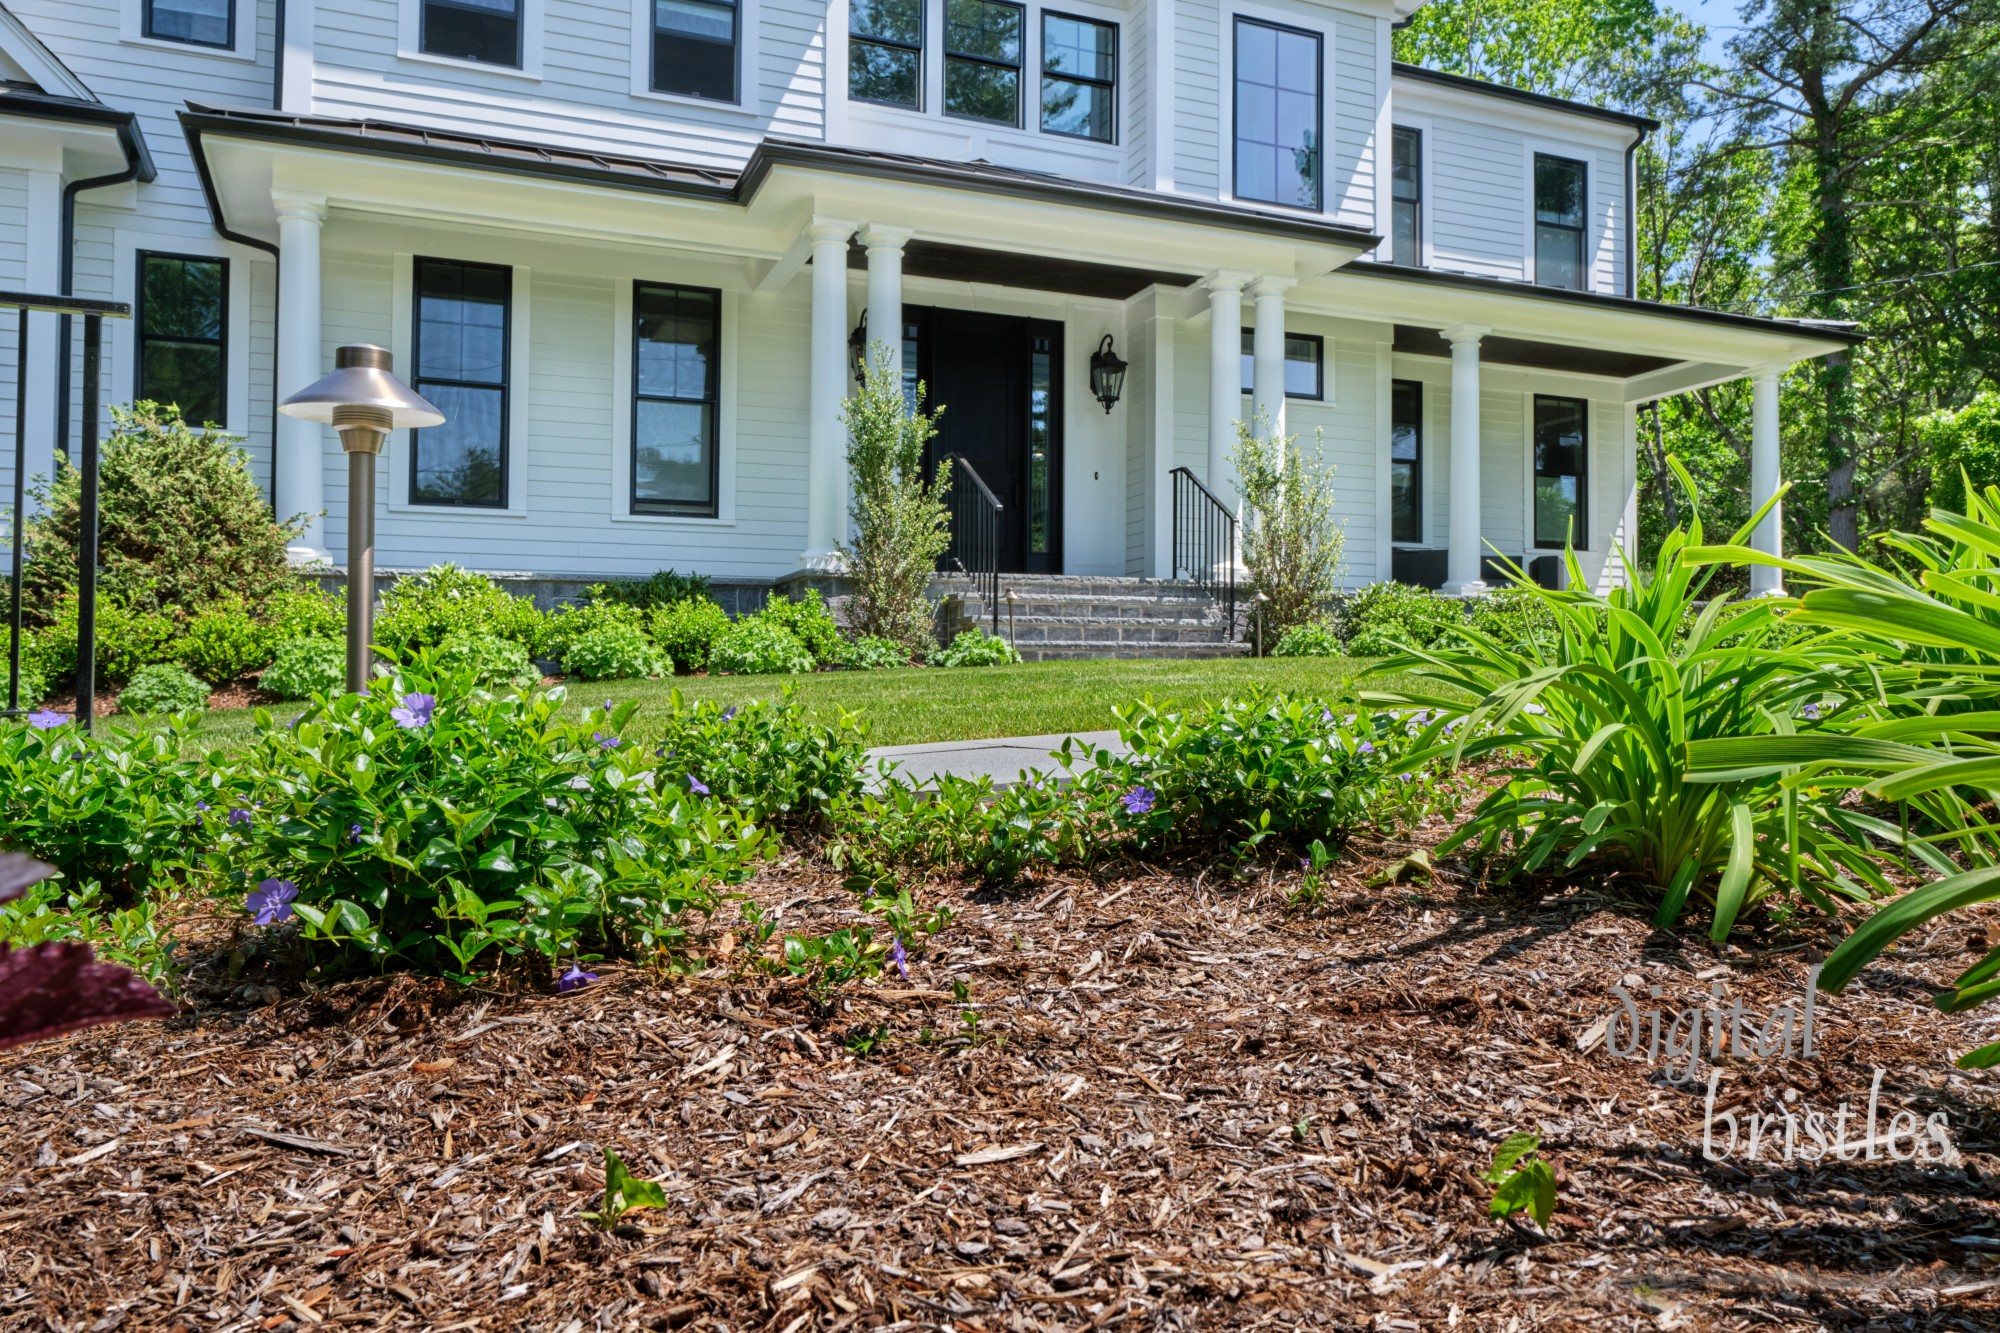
(826, 437)
(1462, 562)
(1764, 479)
(1225, 379)
(1267, 350)
(298, 461)
(885, 292)
(43, 245)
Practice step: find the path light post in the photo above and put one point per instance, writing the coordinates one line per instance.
(1010, 620)
(363, 401)
(1258, 611)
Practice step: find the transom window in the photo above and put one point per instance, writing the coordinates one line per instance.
(885, 52)
(1559, 207)
(1277, 114)
(461, 367)
(694, 48)
(982, 60)
(1406, 460)
(675, 394)
(1406, 174)
(196, 22)
(183, 335)
(1305, 370)
(1562, 447)
(1079, 78)
(488, 31)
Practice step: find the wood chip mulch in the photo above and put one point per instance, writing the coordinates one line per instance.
(1182, 1105)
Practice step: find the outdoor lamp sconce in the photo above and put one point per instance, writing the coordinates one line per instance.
(363, 401)
(1107, 374)
(857, 351)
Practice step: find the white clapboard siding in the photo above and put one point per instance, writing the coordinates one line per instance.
(1201, 58)
(1351, 99)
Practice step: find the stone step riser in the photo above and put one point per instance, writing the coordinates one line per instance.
(1126, 634)
(1098, 651)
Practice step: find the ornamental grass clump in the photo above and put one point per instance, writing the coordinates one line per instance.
(1591, 737)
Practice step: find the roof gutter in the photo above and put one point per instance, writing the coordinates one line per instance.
(1632, 215)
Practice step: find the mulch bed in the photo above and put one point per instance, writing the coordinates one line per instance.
(1182, 1106)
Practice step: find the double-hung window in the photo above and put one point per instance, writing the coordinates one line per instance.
(1559, 184)
(1406, 460)
(1277, 115)
(676, 373)
(982, 60)
(885, 52)
(488, 31)
(183, 335)
(461, 367)
(196, 22)
(1562, 446)
(1079, 77)
(694, 48)
(1406, 196)
(1305, 364)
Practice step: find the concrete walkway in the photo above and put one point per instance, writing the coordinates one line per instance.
(1001, 759)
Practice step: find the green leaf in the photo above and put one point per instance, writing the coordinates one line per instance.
(1511, 1150)
(1515, 1193)
(1903, 915)
(624, 1192)
(1729, 895)
(1986, 1057)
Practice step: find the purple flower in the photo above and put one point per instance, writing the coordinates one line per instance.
(239, 816)
(46, 720)
(415, 712)
(354, 833)
(898, 959)
(609, 708)
(1810, 712)
(729, 712)
(607, 742)
(272, 901)
(1326, 717)
(1139, 801)
(697, 786)
(574, 979)
(201, 805)
(1366, 747)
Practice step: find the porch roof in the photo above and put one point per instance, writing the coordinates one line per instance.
(99, 134)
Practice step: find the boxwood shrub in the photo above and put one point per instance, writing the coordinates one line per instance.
(687, 629)
(614, 650)
(1313, 639)
(808, 621)
(491, 661)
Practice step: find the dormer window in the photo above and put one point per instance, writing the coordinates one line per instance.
(885, 52)
(196, 22)
(1277, 115)
(488, 31)
(1559, 185)
(694, 48)
(982, 60)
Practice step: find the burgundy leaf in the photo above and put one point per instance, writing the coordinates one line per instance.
(19, 873)
(51, 989)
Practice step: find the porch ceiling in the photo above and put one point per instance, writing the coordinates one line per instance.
(1415, 340)
(1042, 273)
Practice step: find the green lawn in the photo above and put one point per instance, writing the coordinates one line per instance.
(969, 703)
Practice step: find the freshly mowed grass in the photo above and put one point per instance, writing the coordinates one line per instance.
(920, 705)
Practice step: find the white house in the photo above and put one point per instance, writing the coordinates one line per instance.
(626, 246)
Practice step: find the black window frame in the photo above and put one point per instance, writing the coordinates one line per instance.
(1239, 21)
(1415, 464)
(1414, 202)
(1576, 231)
(1110, 86)
(418, 380)
(1019, 65)
(670, 508)
(424, 32)
(891, 44)
(654, 32)
(1579, 540)
(141, 339)
(146, 30)
(1318, 341)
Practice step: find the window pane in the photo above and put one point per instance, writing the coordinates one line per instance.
(203, 22)
(676, 332)
(1277, 115)
(181, 298)
(1080, 109)
(882, 74)
(1559, 191)
(673, 460)
(459, 461)
(1560, 450)
(981, 92)
(983, 28)
(482, 30)
(1302, 368)
(892, 20)
(1405, 521)
(1407, 168)
(1403, 226)
(462, 322)
(694, 18)
(1076, 46)
(1406, 418)
(1041, 442)
(188, 375)
(694, 66)
(1558, 257)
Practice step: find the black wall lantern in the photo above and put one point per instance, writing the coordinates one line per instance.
(857, 351)
(1107, 374)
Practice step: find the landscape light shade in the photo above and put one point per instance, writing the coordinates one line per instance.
(362, 400)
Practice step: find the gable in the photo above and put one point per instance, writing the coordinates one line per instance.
(24, 60)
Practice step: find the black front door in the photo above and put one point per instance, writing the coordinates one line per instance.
(998, 380)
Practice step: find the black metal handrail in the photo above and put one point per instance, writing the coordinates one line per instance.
(975, 531)
(1204, 541)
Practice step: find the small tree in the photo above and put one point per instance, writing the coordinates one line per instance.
(901, 522)
(1291, 541)
(181, 524)
(1962, 444)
